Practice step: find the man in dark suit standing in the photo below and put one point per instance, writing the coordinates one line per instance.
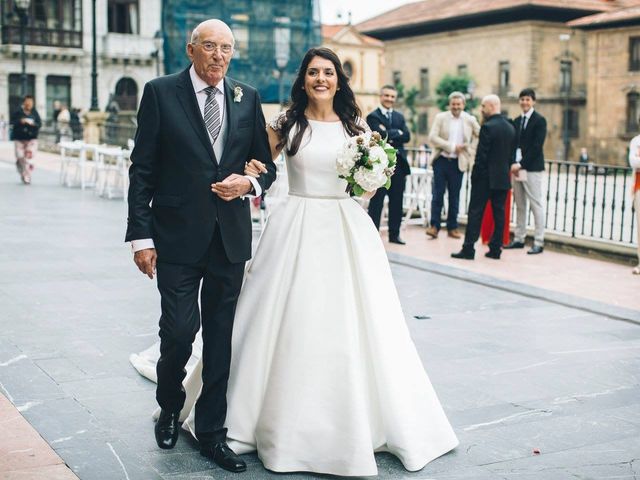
(391, 124)
(531, 131)
(196, 131)
(489, 178)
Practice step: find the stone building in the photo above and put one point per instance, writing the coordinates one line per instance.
(59, 51)
(362, 58)
(613, 82)
(504, 46)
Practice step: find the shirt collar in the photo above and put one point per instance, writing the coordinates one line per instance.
(528, 114)
(385, 111)
(199, 84)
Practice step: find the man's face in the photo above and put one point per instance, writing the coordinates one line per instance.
(456, 106)
(27, 104)
(486, 109)
(211, 66)
(526, 103)
(388, 98)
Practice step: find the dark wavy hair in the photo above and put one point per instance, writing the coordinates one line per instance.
(344, 102)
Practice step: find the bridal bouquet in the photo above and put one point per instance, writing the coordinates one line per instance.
(366, 162)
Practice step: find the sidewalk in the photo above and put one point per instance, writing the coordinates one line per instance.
(515, 373)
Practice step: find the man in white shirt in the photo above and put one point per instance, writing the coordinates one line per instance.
(196, 131)
(454, 137)
(634, 162)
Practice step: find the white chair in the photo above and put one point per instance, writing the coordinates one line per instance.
(112, 178)
(73, 165)
(417, 196)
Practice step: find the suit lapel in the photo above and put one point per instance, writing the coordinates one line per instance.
(231, 113)
(189, 103)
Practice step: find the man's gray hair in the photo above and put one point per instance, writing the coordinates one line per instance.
(458, 95)
(493, 100)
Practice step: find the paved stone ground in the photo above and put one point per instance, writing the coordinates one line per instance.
(514, 373)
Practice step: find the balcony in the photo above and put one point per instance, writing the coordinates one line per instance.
(125, 45)
(42, 36)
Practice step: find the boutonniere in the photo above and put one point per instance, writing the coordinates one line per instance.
(237, 94)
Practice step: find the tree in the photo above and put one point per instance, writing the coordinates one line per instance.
(409, 98)
(452, 83)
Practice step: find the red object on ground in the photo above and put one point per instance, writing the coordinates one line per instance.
(486, 230)
(536, 451)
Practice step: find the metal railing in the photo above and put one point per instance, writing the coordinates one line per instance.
(583, 200)
(42, 36)
(117, 133)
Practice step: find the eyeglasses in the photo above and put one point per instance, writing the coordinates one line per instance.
(211, 46)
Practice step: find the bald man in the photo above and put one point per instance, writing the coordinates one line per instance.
(489, 178)
(196, 131)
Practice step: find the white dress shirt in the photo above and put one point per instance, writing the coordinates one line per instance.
(456, 135)
(634, 157)
(525, 117)
(199, 86)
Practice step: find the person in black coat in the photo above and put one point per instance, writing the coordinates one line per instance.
(489, 178)
(25, 126)
(531, 132)
(196, 131)
(391, 124)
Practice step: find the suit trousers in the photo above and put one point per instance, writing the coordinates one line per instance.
(529, 194)
(218, 281)
(396, 193)
(480, 193)
(446, 176)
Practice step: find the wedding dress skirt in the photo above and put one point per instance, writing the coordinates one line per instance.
(324, 372)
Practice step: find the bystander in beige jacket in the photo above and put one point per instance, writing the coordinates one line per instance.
(439, 138)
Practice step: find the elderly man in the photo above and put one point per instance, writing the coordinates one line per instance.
(489, 178)
(454, 136)
(196, 131)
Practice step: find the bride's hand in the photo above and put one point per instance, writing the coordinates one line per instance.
(254, 168)
(368, 195)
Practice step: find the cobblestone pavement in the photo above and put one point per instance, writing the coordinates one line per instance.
(517, 374)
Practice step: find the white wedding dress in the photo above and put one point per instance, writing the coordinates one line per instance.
(323, 371)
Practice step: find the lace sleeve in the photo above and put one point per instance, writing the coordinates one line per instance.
(361, 122)
(277, 122)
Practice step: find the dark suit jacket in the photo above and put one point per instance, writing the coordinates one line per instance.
(173, 164)
(396, 132)
(531, 141)
(494, 155)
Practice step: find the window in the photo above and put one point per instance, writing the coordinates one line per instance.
(504, 77)
(424, 82)
(348, 68)
(123, 16)
(126, 94)
(58, 88)
(566, 71)
(634, 54)
(15, 90)
(573, 124)
(241, 36)
(423, 124)
(463, 71)
(633, 112)
(397, 78)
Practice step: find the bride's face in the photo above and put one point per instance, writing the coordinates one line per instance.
(321, 80)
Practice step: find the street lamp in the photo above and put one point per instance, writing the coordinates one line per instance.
(22, 7)
(157, 42)
(282, 41)
(565, 64)
(94, 62)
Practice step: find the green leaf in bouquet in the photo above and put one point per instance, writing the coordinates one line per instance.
(388, 184)
(358, 191)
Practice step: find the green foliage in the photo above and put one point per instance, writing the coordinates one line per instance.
(409, 98)
(452, 83)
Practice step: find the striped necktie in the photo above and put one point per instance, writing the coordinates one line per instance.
(212, 113)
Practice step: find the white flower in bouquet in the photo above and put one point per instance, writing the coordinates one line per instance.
(366, 162)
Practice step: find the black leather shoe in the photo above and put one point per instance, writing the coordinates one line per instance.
(535, 250)
(396, 239)
(514, 244)
(464, 254)
(495, 254)
(167, 429)
(224, 457)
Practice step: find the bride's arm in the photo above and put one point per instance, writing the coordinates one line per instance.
(255, 167)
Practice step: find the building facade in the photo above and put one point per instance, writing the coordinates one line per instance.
(503, 46)
(362, 59)
(59, 53)
(613, 82)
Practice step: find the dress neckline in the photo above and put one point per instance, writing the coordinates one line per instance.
(322, 121)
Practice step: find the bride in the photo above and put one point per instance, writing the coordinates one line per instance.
(324, 372)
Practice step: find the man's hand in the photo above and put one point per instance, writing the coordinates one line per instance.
(146, 261)
(255, 168)
(460, 149)
(515, 168)
(234, 186)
